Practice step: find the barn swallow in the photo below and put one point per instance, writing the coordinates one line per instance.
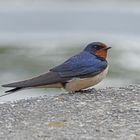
(81, 71)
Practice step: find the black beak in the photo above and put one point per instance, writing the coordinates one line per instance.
(107, 48)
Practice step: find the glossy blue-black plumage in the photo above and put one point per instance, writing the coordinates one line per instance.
(93, 47)
(80, 65)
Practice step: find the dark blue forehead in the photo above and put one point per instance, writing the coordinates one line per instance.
(93, 47)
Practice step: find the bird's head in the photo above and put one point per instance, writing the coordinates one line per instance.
(98, 49)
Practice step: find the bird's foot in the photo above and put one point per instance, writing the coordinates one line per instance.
(83, 91)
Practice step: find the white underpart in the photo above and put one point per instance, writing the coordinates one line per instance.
(77, 84)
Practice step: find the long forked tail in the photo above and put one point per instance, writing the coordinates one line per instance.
(11, 91)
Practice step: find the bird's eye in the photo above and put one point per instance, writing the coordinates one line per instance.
(98, 47)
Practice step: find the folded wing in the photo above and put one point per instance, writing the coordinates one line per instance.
(44, 79)
(81, 65)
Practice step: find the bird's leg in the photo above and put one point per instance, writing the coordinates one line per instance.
(81, 91)
(85, 90)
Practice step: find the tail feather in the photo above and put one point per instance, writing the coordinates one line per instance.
(11, 91)
(14, 89)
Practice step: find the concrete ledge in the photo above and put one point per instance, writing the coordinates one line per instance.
(105, 114)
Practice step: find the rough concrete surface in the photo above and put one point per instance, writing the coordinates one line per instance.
(104, 114)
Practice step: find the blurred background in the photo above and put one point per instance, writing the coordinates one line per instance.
(37, 35)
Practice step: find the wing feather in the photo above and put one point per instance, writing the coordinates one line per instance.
(83, 64)
(45, 79)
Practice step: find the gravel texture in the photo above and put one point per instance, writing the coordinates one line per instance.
(104, 114)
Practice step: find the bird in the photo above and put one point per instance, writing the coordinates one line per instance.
(79, 72)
